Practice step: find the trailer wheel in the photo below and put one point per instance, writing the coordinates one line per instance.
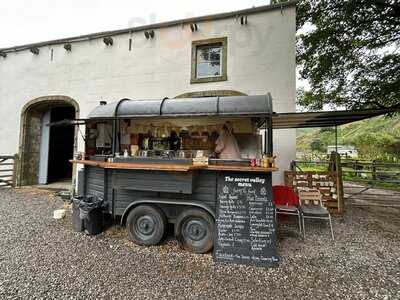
(146, 225)
(194, 230)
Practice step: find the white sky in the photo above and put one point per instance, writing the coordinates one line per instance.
(28, 21)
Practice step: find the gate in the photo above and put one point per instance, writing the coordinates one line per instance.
(7, 171)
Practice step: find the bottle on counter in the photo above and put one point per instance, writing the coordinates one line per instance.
(264, 161)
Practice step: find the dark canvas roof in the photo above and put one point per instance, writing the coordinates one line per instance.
(260, 105)
(324, 118)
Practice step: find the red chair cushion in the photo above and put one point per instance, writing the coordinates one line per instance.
(284, 195)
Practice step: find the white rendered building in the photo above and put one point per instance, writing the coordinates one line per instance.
(246, 52)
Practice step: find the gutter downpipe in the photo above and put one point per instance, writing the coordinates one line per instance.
(269, 123)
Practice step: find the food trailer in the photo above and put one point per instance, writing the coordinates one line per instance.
(153, 162)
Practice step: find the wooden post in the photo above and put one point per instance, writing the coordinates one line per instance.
(373, 170)
(339, 183)
(336, 166)
(355, 168)
(293, 166)
(15, 168)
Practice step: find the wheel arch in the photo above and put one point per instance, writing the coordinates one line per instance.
(134, 204)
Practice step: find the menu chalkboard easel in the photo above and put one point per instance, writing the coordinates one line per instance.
(246, 229)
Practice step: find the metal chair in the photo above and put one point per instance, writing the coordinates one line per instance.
(311, 208)
(286, 202)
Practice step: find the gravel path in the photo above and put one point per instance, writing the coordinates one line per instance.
(42, 258)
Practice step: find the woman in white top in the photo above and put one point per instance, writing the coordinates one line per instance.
(226, 144)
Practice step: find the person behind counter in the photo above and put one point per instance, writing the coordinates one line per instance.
(226, 145)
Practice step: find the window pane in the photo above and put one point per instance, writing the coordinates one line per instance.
(208, 69)
(202, 54)
(208, 61)
(207, 53)
(215, 53)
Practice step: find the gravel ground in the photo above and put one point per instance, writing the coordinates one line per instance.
(42, 258)
(361, 195)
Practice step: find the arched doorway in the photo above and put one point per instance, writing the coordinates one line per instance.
(45, 150)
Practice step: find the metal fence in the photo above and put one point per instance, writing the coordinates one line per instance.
(7, 171)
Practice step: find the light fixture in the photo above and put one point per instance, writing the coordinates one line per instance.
(193, 27)
(149, 34)
(34, 50)
(68, 46)
(3, 54)
(243, 20)
(108, 41)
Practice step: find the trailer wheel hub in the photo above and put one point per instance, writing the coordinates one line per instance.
(145, 225)
(195, 229)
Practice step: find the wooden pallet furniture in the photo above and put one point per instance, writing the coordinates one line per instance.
(327, 183)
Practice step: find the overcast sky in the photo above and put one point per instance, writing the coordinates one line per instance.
(27, 21)
(30, 21)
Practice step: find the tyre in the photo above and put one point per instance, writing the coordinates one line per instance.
(194, 230)
(146, 225)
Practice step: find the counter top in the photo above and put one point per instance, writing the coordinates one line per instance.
(170, 167)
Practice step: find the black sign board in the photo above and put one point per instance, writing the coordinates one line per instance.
(246, 229)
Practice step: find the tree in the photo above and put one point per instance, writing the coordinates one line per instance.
(349, 51)
(316, 145)
(373, 145)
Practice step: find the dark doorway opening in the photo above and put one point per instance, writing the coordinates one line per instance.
(61, 145)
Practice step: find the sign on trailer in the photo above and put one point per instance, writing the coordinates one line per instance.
(246, 228)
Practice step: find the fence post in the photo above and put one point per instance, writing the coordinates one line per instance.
(336, 166)
(293, 166)
(373, 170)
(14, 174)
(355, 169)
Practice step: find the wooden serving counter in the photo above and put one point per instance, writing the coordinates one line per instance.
(171, 167)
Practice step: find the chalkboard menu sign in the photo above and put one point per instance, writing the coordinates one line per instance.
(246, 230)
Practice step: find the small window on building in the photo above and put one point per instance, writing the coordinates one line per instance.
(209, 58)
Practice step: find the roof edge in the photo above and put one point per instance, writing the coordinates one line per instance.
(97, 35)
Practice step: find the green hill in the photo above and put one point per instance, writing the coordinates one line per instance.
(376, 138)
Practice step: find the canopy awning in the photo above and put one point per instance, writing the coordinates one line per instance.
(260, 105)
(252, 106)
(324, 118)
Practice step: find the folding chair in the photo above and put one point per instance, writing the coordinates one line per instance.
(286, 202)
(311, 208)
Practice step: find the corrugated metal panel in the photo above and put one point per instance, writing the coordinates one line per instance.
(94, 181)
(244, 105)
(104, 111)
(125, 197)
(186, 107)
(172, 182)
(138, 108)
(204, 188)
(192, 106)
